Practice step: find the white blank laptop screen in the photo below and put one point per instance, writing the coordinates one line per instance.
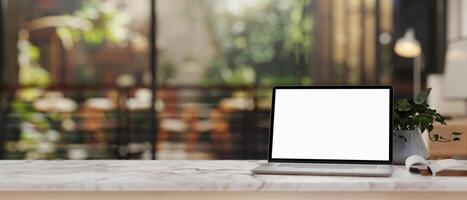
(336, 124)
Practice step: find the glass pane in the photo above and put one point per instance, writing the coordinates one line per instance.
(78, 86)
(81, 68)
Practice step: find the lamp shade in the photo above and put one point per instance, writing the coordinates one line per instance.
(455, 82)
(408, 46)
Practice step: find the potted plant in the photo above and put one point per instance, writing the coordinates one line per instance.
(411, 119)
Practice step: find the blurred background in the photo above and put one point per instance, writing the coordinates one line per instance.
(77, 79)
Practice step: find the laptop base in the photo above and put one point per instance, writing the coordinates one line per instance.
(325, 169)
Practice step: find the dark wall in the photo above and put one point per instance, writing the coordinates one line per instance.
(428, 18)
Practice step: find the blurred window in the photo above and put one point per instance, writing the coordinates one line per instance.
(78, 86)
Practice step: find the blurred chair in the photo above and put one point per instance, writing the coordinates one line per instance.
(93, 114)
(194, 121)
(218, 128)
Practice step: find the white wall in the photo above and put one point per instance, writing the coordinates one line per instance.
(457, 19)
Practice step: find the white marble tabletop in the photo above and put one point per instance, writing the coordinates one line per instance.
(197, 176)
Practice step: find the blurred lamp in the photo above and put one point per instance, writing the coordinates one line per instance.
(409, 47)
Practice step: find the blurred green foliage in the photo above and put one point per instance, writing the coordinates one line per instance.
(31, 72)
(94, 23)
(268, 40)
(100, 21)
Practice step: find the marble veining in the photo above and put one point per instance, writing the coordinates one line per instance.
(187, 175)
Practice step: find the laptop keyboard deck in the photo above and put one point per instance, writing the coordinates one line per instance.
(326, 166)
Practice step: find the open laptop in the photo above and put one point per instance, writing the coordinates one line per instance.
(330, 130)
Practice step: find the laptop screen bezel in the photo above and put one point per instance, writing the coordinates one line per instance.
(291, 160)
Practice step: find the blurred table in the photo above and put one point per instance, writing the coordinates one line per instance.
(450, 149)
(55, 102)
(228, 179)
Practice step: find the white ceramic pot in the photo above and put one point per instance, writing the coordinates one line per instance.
(406, 143)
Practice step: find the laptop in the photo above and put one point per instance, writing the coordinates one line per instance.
(330, 130)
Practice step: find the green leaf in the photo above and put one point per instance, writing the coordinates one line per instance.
(403, 105)
(422, 129)
(422, 96)
(396, 116)
(456, 133)
(439, 118)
